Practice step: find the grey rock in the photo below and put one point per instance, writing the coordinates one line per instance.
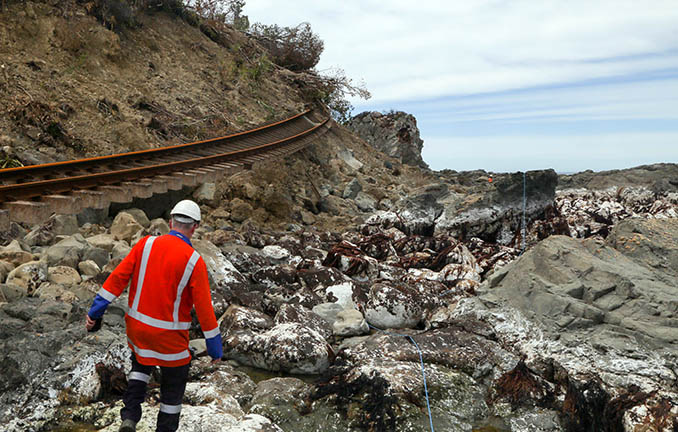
(103, 241)
(63, 275)
(68, 251)
(586, 287)
(292, 313)
(14, 253)
(352, 188)
(365, 202)
(98, 255)
(56, 225)
(349, 159)
(139, 216)
(120, 250)
(238, 318)
(158, 227)
(281, 399)
(89, 268)
(394, 306)
(205, 193)
(394, 133)
(5, 268)
(125, 226)
(10, 293)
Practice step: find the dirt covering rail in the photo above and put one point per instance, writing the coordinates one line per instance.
(31, 194)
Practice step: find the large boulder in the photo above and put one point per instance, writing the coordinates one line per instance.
(125, 226)
(28, 276)
(103, 241)
(68, 251)
(350, 322)
(5, 268)
(221, 270)
(280, 399)
(650, 242)
(63, 275)
(290, 347)
(496, 214)
(294, 313)
(395, 133)
(394, 306)
(14, 254)
(584, 287)
(240, 318)
(56, 225)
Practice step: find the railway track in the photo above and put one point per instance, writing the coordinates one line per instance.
(32, 194)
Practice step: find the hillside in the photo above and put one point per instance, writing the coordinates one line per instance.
(70, 87)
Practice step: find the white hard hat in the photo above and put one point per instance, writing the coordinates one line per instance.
(186, 211)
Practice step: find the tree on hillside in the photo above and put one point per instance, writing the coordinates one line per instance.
(229, 11)
(294, 48)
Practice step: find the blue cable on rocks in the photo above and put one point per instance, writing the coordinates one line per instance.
(524, 211)
(423, 371)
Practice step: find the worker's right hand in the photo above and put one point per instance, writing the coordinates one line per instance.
(215, 360)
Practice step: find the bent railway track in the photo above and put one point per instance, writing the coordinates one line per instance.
(33, 193)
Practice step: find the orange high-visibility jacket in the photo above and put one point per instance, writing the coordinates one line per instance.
(168, 278)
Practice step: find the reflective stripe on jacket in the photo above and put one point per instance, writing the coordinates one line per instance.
(167, 279)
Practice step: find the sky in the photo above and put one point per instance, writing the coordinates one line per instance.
(509, 86)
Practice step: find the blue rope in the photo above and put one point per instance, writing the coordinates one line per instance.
(524, 211)
(423, 371)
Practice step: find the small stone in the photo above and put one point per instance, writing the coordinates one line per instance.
(63, 275)
(159, 227)
(89, 268)
(275, 253)
(352, 188)
(350, 322)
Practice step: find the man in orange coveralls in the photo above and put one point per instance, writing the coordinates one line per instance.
(167, 278)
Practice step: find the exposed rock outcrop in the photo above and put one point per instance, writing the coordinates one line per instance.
(394, 133)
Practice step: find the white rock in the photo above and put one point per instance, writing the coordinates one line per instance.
(344, 294)
(275, 252)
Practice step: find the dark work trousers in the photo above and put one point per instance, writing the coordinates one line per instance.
(172, 388)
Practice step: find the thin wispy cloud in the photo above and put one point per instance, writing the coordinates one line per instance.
(489, 68)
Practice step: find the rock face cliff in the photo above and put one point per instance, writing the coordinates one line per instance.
(394, 133)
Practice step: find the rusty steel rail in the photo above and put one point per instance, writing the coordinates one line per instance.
(30, 194)
(12, 176)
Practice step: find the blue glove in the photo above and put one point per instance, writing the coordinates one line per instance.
(214, 347)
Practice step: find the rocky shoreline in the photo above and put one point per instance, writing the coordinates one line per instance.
(336, 331)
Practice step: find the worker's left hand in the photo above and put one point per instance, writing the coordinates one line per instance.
(89, 323)
(215, 360)
(92, 325)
